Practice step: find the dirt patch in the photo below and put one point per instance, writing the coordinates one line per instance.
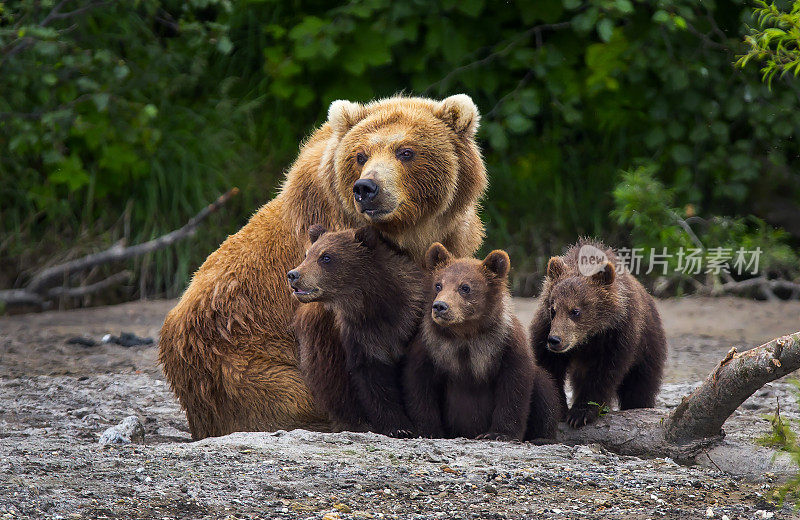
(56, 399)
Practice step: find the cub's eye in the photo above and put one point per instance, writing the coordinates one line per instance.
(574, 313)
(552, 312)
(325, 259)
(361, 158)
(465, 289)
(405, 154)
(438, 287)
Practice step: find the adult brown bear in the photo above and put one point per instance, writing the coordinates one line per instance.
(410, 166)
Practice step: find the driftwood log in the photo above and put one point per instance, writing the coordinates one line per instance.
(696, 424)
(41, 288)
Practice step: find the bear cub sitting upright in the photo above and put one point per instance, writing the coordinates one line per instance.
(603, 330)
(470, 372)
(352, 362)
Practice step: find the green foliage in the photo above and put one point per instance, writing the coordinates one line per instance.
(603, 408)
(132, 110)
(108, 116)
(783, 438)
(648, 208)
(776, 40)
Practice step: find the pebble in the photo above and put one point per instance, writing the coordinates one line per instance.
(128, 431)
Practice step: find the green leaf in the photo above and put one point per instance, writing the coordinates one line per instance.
(470, 7)
(605, 29)
(518, 123)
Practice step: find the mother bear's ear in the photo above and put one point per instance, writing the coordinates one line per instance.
(460, 114)
(344, 115)
(316, 231)
(367, 236)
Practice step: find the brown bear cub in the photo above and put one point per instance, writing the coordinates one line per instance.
(603, 330)
(470, 372)
(352, 361)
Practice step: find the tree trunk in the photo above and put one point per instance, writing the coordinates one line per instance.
(696, 424)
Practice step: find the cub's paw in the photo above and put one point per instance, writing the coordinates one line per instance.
(582, 415)
(494, 436)
(401, 434)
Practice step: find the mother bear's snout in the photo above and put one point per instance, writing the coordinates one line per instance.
(365, 190)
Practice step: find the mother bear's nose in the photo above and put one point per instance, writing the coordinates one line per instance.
(365, 190)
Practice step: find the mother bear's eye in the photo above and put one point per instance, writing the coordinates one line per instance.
(405, 154)
(361, 158)
(325, 259)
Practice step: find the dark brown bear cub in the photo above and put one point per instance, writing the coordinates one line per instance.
(352, 362)
(470, 372)
(603, 330)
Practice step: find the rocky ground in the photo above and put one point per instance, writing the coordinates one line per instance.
(57, 399)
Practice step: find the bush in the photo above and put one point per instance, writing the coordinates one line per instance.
(154, 107)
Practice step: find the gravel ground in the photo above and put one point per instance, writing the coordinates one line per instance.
(57, 399)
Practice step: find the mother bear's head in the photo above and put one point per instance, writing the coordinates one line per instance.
(406, 164)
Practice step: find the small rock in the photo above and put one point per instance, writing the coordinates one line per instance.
(709, 513)
(128, 431)
(82, 341)
(127, 339)
(489, 488)
(342, 508)
(333, 515)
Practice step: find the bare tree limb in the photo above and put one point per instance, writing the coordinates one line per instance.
(759, 283)
(74, 292)
(21, 297)
(118, 252)
(696, 424)
(736, 378)
(40, 289)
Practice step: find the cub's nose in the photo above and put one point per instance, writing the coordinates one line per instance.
(365, 190)
(554, 341)
(440, 307)
(293, 275)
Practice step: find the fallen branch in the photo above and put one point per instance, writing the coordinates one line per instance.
(40, 288)
(762, 284)
(696, 424)
(74, 292)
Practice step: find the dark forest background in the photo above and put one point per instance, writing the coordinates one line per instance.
(627, 120)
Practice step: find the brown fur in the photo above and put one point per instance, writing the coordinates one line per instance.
(470, 372)
(612, 342)
(226, 348)
(374, 293)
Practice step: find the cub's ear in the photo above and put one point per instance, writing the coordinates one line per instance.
(316, 231)
(498, 263)
(556, 267)
(368, 236)
(437, 255)
(344, 115)
(460, 114)
(606, 275)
